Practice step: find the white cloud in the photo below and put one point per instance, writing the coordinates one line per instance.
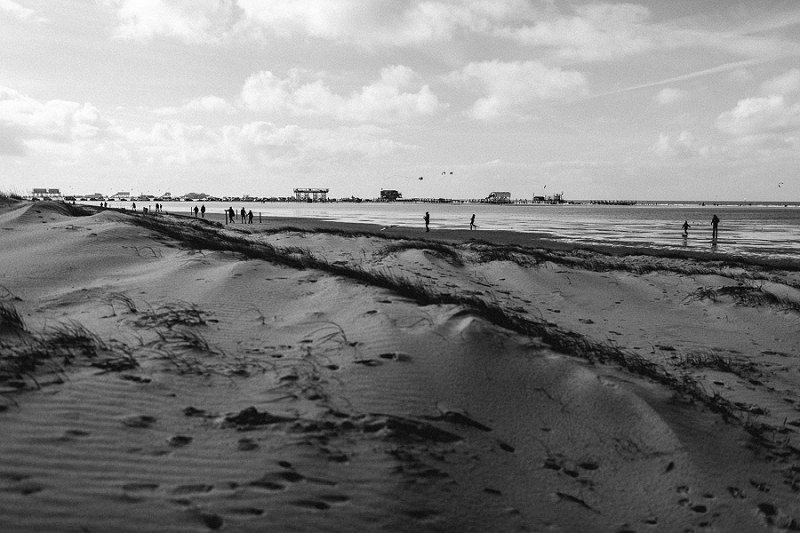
(596, 31)
(16, 10)
(381, 101)
(759, 116)
(381, 22)
(365, 23)
(175, 143)
(669, 95)
(71, 130)
(683, 145)
(204, 104)
(190, 20)
(783, 85)
(24, 120)
(510, 86)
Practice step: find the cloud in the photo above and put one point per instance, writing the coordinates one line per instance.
(768, 115)
(386, 23)
(684, 145)
(783, 85)
(189, 20)
(511, 86)
(16, 10)
(258, 142)
(670, 95)
(612, 31)
(381, 101)
(25, 121)
(595, 32)
(204, 104)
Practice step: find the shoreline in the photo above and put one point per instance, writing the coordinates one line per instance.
(499, 238)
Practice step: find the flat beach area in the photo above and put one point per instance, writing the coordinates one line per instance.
(166, 373)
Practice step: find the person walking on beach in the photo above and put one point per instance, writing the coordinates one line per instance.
(472, 222)
(242, 214)
(203, 210)
(714, 224)
(232, 215)
(196, 210)
(134, 206)
(685, 228)
(250, 217)
(427, 219)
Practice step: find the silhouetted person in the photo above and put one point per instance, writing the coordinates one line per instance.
(242, 214)
(250, 217)
(134, 206)
(203, 210)
(196, 210)
(714, 224)
(472, 222)
(232, 215)
(427, 219)
(685, 228)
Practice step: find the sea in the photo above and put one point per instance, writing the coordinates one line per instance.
(764, 230)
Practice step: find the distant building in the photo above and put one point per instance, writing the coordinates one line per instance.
(499, 197)
(46, 194)
(311, 195)
(121, 196)
(390, 195)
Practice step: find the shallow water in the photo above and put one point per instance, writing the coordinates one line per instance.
(763, 230)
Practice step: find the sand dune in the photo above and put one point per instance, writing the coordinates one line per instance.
(172, 374)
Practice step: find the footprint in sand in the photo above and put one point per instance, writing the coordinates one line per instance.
(139, 487)
(139, 421)
(193, 489)
(178, 441)
(395, 356)
(246, 445)
(334, 498)
(311, 504)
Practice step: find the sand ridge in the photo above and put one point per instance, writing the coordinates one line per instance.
(233, 393)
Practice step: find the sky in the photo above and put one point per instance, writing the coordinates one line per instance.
(648, 100)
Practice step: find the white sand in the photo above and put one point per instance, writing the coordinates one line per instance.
(387, 415)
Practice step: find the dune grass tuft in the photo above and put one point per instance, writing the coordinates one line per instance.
(24, 353)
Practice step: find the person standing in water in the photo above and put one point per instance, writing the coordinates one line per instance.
(427, 219)
(714, 224)
(685, 228)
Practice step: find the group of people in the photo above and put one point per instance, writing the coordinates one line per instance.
(202, 211)
(159, 208)
(714, 227)
(230, 215)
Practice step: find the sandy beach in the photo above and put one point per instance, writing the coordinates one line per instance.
(165, 373)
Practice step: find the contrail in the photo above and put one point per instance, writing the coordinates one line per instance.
(699, 73)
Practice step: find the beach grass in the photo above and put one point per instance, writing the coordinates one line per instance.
(24, 353)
